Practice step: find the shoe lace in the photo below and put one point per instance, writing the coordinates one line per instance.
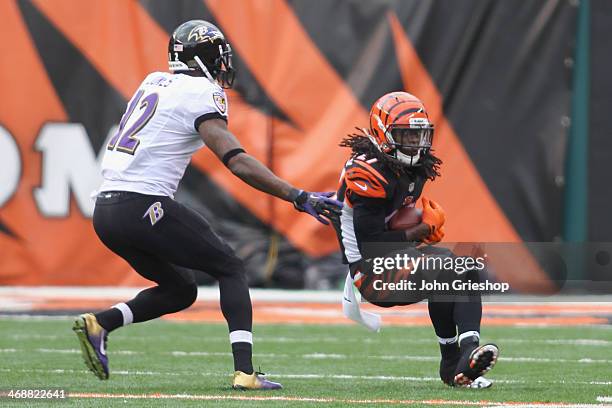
(258, 372)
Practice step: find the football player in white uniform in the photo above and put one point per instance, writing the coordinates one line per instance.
(170, 117)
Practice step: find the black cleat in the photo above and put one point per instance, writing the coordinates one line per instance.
(475, 364)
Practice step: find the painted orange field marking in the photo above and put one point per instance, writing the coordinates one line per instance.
(331, 313)
(259, 317)
(326, 400)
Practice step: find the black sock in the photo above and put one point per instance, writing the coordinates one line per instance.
(468, 307)
(448, 363)
(468, 316)
(243, 353)
(449, 351)
(441, 315)
(110, 319)
(468, 344)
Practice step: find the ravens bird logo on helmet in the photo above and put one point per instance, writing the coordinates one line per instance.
(198, 45)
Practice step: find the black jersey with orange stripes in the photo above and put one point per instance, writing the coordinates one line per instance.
(365, 177)
(372, 192)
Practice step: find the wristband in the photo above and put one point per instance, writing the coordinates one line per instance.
(228, 156)
(294, 194)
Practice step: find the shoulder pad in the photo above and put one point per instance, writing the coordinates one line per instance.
(363, 179)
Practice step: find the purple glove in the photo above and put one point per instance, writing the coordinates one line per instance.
(318, 205)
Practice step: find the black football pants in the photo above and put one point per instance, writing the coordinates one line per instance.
(449, 311)
(154, 234)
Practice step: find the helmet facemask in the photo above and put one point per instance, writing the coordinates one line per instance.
(221, 69)
(410, 142)
(226, 73)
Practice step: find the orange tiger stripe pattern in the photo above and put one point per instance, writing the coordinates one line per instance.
(393, 109)
(371, 169)
(362, 179)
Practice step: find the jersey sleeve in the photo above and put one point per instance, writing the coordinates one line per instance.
(210, 103)
(364, 180)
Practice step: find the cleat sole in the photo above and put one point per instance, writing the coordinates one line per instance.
(87, 351)
(482, 360)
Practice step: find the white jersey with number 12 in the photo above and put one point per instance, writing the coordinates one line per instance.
(157, 134)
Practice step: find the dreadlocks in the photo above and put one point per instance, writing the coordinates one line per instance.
(361, 144)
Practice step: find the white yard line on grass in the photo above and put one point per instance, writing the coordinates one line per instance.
(501, 358)
(78, 351)
(28, 317)
(304, 376)
(328, 339)
(317, 356)
(604, 399)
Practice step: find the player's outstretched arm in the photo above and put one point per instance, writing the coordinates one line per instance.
(228, 149)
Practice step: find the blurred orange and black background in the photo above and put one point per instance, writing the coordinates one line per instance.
(519, 91)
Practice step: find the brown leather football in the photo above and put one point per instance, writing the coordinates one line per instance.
(405, 218)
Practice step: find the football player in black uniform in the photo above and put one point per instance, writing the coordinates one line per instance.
(388, 167)
(169, 118)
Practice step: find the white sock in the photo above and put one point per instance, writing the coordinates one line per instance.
(468, 334)
(241, 336)
(449, 340)
(126, 312)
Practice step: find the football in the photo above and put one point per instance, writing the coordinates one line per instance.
(405, 218)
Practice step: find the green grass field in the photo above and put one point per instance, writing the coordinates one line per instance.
(330, 363)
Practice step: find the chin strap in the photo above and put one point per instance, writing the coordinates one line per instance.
(409, 160)
(203, 68)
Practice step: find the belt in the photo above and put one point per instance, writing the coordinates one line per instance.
(114, 194)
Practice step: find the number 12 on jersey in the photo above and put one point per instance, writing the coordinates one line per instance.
(125, 140)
